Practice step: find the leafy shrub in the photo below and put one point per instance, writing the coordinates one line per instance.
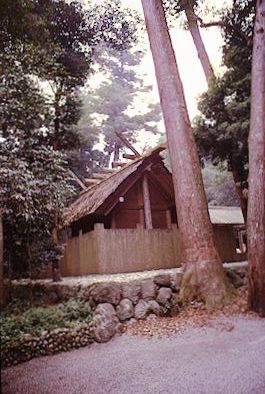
(19, 318)
(76, 309)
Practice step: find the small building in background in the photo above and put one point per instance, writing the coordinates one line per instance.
(127, 221)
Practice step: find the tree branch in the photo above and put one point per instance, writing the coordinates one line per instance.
(221, 23)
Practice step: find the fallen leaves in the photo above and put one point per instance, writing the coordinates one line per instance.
(195, 315)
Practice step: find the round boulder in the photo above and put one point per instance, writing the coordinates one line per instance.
(141, 310)
(105, 322)
(163, 280)
(105, 293)
(176, 281)
(148, 288)
(125, 309)
(154, 308)
(164, 295)
(132, 291)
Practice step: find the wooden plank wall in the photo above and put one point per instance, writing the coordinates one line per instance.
(226, 243)
(105, 251)
(130, 250)
(80, 256)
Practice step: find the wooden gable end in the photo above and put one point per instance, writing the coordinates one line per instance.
(129, 212)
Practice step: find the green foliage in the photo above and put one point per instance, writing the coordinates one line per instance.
(47, 51)
(222, 128)
(34, 188)
(19, 319)
(110, 107)
(219, 186)
(76, 310)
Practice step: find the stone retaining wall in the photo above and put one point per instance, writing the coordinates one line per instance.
(113, 303)
(58, 340)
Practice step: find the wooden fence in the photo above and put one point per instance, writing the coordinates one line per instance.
(226, 243)
(106, 251)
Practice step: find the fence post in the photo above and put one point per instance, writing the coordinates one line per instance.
(99, 246)
(80, 234)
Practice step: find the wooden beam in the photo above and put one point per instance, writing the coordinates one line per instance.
(128, 156)
(99, 176)
(78, 180)
(165, 187)
(118, 164)
(128, 144)
(90, 181)
(111, 202)
(140, 205)
(168, 216)
(147, 204)
(108, 170)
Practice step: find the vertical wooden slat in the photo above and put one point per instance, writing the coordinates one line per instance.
(168, 216)
(80, 254)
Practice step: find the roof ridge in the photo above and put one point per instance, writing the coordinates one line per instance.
(159, 148)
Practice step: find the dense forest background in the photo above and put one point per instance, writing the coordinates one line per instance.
(70, 80)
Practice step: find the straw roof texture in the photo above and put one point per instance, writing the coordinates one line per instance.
(94, 196)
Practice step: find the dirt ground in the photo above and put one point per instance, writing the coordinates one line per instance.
(225, 356)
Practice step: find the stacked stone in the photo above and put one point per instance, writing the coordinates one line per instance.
(58, 340)
(238, 276)
(116, 304)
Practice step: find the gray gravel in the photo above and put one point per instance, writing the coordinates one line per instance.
(201, 360)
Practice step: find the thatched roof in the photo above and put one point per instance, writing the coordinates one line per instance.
(91, 199)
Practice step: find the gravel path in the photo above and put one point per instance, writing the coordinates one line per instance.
(206, 360)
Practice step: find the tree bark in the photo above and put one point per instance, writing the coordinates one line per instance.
(210, 77)
(204, 277)
(256, 200)
(57, 115)
(242, 198)
(56, 272)
(199, 44)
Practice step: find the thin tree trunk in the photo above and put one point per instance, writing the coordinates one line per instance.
(116, 152)
(56, 272)
(256, 200)
(57, 115)
(203, 277)
(210, 77)
(29, 258)
(199, 44)
(242, 198)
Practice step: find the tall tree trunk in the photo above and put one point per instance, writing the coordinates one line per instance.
(242, 198)
(116, 152)
(199, 44)
(204, 277)
(210, 77)
(256, 200)
(29, 257)
(1, 262)
(56, 272)
(57, 116)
